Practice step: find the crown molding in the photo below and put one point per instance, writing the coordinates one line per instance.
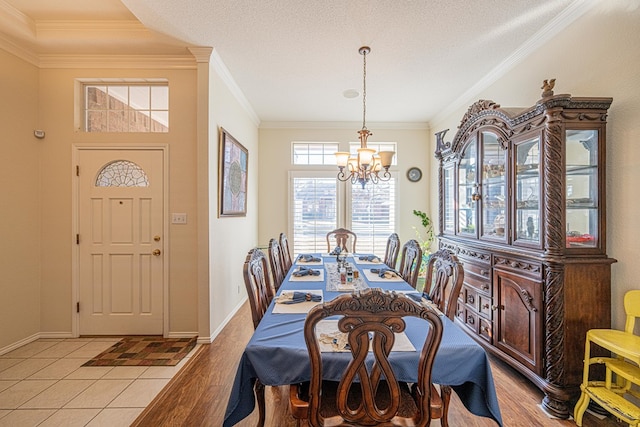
(221, 69)
(202, 54)
(19, 51)
(546, 33)
(163, 62)
(346, 125)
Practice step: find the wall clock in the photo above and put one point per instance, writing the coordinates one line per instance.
(414, 174)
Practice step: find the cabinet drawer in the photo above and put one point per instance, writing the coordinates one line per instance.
(484, 306)
(471, 297)
(471, 320)
(486, 330)
(480, 283)
(480, 270)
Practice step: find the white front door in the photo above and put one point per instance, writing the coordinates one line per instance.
(121, 256)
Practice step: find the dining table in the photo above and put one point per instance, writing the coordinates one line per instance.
(277, 354)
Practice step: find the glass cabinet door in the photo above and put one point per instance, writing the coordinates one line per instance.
(527, 176)
(494, 185)
(448, 205)
(582, 188)
(467, 190)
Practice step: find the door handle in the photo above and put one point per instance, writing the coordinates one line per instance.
(156, 252)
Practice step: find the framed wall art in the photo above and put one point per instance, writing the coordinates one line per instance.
(233, 164)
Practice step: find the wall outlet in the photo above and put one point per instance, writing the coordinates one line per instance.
(178, 218)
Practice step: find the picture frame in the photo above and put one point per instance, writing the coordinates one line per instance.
(233, 165)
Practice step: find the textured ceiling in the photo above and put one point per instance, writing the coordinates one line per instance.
(293, 59)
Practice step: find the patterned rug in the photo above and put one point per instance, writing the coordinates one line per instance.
(144, 351)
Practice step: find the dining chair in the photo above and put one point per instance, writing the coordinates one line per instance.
(445, 275)
(275, 262)
(443, 284)
(624, 362)
(392, 251)
(340, 237)
(260, 292)
(410, 262)
(368, 394)
(287, 261)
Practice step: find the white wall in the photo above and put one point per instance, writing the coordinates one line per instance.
(275, 162)
(597, 56)
(231, 237)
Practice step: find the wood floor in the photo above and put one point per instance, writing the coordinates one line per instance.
(197, 396)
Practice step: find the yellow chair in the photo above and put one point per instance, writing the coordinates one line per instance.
(625, 363)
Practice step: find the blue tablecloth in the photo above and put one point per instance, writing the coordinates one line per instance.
(277, 355)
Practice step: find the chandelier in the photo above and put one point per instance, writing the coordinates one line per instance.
(367, 165)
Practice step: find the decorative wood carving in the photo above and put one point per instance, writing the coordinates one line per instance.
(554, 280)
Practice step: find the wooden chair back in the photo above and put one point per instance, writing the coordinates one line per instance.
(410, 262)
(275, 262)
(287, 261)
(445, 275)
(392, 251)
(258, 284)
(371, 395)
(340, 237)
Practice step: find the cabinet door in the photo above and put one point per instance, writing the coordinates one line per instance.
(494, 188)
(519, 323)
(582, 204)
(527, 192)
(468, 191)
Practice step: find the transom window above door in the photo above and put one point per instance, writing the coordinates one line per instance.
(125, 107)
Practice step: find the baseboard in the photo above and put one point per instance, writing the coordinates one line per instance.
(209, 340)
(32, 338)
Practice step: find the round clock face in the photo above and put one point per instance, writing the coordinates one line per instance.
(414, 174)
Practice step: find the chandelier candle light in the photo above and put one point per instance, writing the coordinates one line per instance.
(368, 165)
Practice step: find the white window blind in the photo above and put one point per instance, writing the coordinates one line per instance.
(314, 209)
(373, 215)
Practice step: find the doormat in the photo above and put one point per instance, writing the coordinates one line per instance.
(144, 351)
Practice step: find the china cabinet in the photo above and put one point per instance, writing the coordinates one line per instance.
(522, 205)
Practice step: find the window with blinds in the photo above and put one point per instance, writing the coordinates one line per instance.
(317, 207)
(314, 210)
(373, 215)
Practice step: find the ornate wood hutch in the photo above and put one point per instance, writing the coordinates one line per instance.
(522, 204)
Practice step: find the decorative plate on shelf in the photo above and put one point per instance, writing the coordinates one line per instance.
(414, 174)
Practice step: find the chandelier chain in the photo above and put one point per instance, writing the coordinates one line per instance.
(364, 90)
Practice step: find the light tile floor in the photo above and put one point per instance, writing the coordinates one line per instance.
(44, 384)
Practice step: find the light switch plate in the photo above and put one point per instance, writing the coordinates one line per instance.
(178, 218)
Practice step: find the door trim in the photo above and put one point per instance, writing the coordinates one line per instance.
(75, 207)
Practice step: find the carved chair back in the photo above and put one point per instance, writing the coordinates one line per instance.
(287, 261)
(410, 262)
(258, 284)
(340, 237)
(275, 262)
(392, 251)
(445, 275)
(371, 395)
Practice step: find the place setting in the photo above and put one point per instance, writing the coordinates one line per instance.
(382, 274)
(307, 274)
(309, 259)
(367, 259)
(296, 302)
(333, 340)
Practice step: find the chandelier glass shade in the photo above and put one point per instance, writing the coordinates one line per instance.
(367, 165)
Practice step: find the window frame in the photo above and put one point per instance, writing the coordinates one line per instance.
(82, 107)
